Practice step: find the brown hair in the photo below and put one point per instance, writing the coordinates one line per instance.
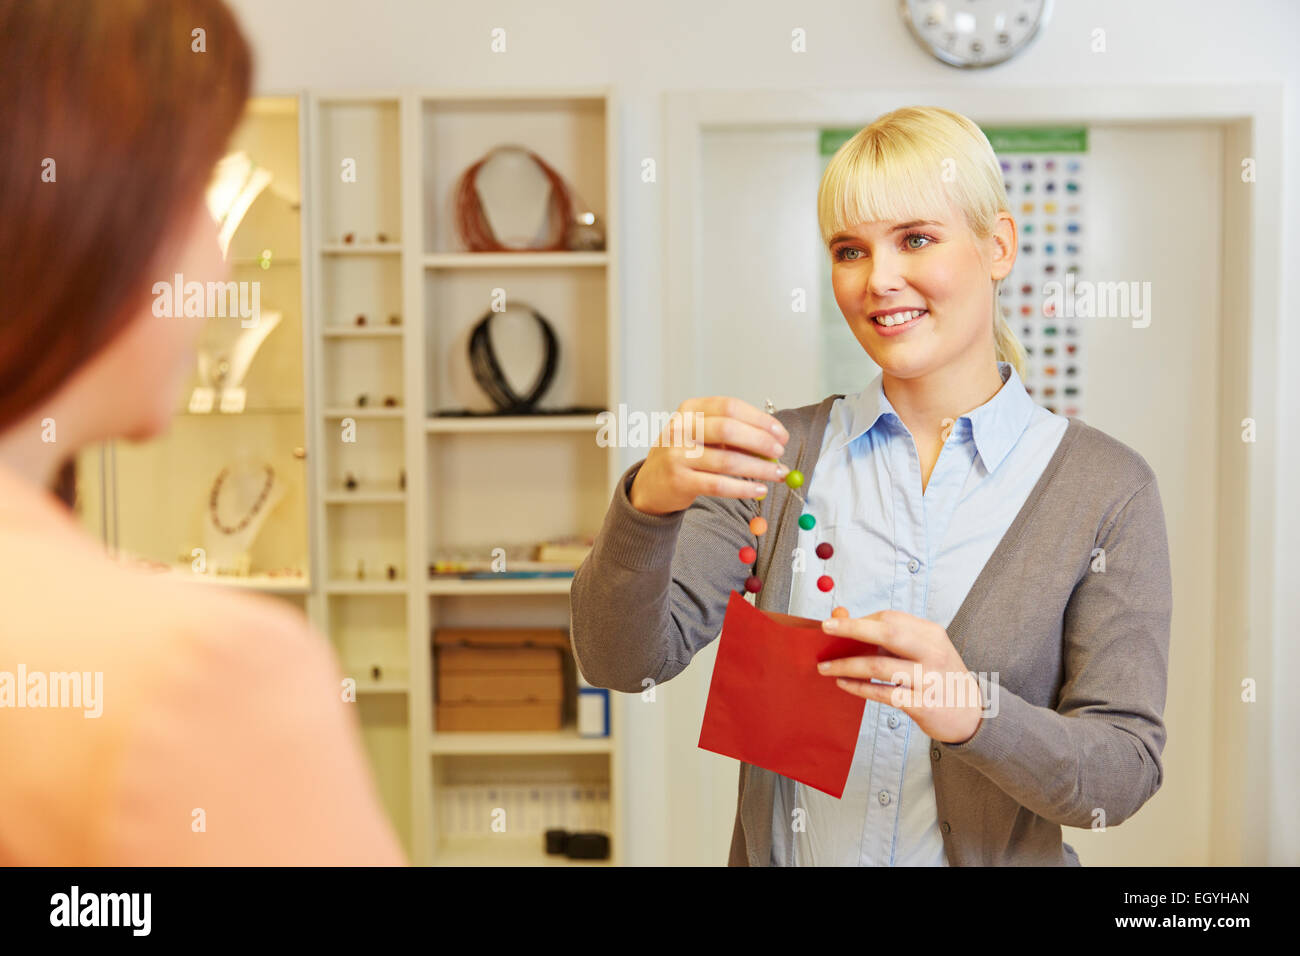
(111, 121)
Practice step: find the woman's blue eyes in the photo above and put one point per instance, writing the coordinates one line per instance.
(839, 253)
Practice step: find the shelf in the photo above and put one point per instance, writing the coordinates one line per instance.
(255, 582)
(512, 423)
(501, 849)
(515, 260)
(218, 413)
(457, 586)
(366, 587)
(564, 741)
(362, 249)
(257, 262)
(363, 332)
(367, 412)
(383, 687)
(364, 497)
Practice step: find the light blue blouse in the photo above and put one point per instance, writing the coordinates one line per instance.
(895, 547)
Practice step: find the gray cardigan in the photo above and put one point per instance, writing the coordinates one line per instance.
(1081, 653)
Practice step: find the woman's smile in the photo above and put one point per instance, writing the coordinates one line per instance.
(898, 322)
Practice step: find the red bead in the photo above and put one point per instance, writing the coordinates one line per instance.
(752, 584)
(824, 550)
(747, 555)
(824, 583)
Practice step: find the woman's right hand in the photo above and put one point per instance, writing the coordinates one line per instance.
(707, 441)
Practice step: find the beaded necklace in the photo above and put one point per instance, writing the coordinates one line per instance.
(758, 525)
(257, 505)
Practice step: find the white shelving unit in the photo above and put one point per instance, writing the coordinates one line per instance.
(470, 482)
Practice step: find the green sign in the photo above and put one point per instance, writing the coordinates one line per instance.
(1004, 139)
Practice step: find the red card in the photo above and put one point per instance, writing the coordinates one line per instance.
(769, 707)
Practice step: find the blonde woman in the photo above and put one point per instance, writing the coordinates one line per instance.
(966, 524)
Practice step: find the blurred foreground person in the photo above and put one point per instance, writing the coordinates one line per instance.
(142, 721)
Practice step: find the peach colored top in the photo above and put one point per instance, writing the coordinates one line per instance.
(213, 700)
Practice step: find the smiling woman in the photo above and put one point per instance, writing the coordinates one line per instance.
(962, 518)
(924, 184)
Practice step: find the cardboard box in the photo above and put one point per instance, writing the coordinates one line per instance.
(499, 679)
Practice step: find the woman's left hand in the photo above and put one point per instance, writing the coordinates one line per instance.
(927, 679)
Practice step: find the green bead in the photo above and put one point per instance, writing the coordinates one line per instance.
(807, 521)
(795, 478)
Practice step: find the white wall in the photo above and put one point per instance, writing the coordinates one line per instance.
(645, 50)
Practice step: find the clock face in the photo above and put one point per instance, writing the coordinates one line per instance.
(974, 33)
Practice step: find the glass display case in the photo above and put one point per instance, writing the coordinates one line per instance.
(223, 496)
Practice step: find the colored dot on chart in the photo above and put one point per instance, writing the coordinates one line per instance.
(806, 521)
(824, 551)
(824, 583)
(794, 479)
(758, 525)
(747, 555)
(840, 612)
(752, 584)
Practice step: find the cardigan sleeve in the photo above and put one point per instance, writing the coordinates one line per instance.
(654, 589)
(1096, 758)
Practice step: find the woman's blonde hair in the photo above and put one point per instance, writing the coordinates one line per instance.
(919, 162)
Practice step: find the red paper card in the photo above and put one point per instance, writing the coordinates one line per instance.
(768, 705)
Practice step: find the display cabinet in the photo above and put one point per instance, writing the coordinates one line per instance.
(223, 496)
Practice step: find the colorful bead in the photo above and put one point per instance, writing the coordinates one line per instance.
(824, 583)
(752, 584)
(824, 551)
(758, 525)
(747, 555)
(806, 521)
(795, 478)
(840, 612)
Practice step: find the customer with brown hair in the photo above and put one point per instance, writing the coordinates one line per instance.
(142, 721)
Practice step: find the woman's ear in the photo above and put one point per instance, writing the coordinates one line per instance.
(1005, 244)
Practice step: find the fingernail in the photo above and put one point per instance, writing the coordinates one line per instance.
(823, 667)
(782, 471)
(831, 625)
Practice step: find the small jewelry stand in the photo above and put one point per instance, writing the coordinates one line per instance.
(226, 351)
(241, 497)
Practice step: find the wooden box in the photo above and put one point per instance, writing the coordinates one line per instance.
(499, 679)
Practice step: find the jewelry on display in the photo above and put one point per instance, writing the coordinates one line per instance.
(361, 569)
(350, 483)
(348, 237)
(362, 399)
(390, 402)
(361, 318)
(394, 319)
(392, 573)
(488, 374)
(381, 237)
(257, 505)
(401, 481)
(375, 672)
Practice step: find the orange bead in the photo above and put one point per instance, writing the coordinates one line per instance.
(840, 612)
(758, 525)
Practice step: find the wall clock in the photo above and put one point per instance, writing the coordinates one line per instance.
(972, 34)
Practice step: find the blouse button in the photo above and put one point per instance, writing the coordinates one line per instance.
(893, 721)
(913, 565)
(884, 798)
